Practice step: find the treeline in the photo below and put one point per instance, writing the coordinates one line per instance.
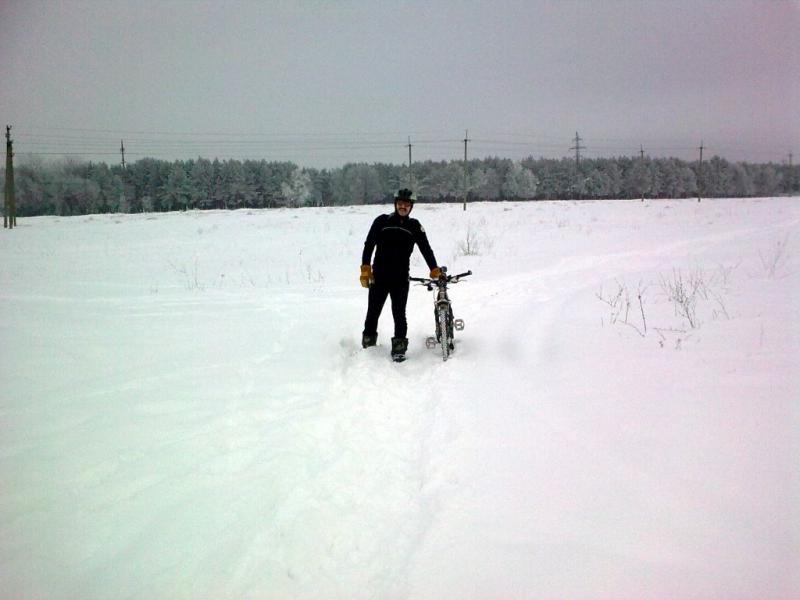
(74, 188)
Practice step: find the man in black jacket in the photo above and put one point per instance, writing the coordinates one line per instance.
(394, 236)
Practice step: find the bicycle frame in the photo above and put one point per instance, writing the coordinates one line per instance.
(443, 311)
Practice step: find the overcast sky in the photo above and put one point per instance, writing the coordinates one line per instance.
(322, 83)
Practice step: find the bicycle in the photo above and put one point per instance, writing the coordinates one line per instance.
(442, 311)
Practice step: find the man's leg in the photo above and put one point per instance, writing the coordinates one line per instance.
(399, 293)
(377, 298)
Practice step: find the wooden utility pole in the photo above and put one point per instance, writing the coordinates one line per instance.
(466, 175)
(123, 203)
(641, 157)
(700, 173)
(410, 183)
(10, 204)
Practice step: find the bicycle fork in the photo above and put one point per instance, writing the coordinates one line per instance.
(445, 325)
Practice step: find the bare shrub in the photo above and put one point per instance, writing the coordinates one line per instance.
(620, 304)
(190, 277)
(774, 262)
(683, 292)
(475, 240)
(689, 295)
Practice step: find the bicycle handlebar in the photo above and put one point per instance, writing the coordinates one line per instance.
(459, 275)
(448, 278)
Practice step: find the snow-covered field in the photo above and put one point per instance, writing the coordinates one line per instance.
(186, 411)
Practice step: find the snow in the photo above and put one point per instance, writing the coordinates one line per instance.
(187, 413)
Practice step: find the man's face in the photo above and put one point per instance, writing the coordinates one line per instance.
(403, 207)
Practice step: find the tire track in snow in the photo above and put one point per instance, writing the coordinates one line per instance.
(347, 457)
(364, 494)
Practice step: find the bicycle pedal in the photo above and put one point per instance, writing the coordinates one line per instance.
(430, 342)
(458, 324)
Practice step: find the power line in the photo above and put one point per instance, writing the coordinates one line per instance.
(376, 146)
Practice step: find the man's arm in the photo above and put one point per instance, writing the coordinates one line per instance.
(372, 239)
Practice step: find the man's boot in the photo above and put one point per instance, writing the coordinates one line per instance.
(368, 340)
(399, 347)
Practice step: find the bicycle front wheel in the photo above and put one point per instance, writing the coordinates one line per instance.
(446, 335)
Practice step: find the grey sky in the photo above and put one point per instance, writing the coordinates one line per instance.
(321, 83)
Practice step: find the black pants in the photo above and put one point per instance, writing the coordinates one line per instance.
(397, 288)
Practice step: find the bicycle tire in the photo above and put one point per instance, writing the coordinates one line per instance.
(446, 337)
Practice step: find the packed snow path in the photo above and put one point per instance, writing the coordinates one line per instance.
(187, 413)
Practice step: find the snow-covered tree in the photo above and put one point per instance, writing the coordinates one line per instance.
(519, 182)
(176, 193)
(297, 191)
(440, 180)
(357, 184)
(201, 190)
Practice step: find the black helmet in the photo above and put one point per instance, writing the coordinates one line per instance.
(405, 194)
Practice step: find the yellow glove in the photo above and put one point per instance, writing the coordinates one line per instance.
(366, 275)
(435, 272)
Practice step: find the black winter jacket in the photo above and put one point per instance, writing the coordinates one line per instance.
(395, 236)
